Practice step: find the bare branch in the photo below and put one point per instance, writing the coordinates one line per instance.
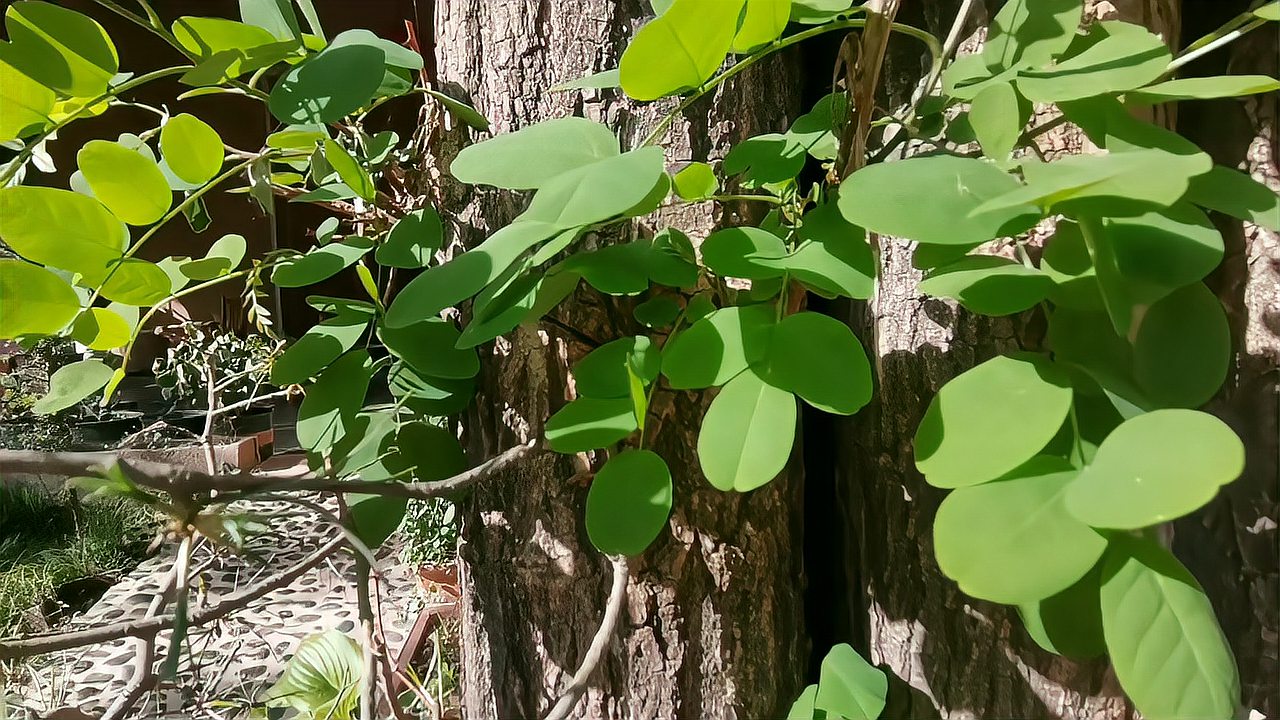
(599, 644)
(149, 627)
(175, 478)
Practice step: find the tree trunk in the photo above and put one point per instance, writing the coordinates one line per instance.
(714, 618)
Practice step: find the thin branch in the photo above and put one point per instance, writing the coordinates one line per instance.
(174, 478)
(144, 675)
(149, 627)
(599, 644)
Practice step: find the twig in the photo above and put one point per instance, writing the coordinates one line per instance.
(144, 662)
(175, 478)
(246, 403)
(599, 644)
(149, 627)
(206, 435)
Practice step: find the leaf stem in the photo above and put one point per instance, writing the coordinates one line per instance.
(26, 152)
(747, 198)
(934, 49)
(1196, 50)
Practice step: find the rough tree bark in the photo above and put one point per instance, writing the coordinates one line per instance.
(714, 623)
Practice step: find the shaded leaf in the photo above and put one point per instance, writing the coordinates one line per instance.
(747, 434)
(629, 502)
(72, 383)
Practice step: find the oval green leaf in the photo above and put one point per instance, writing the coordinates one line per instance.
(320, 263)
(329, 86)
(332, 403)
(192, 149)
(990, 420)
(732, 252)
(989, 285)
(530, 157)
(430, 348)
(628, 504)
(603, 372)
(849, 686)
(138, 283)
(36, 301)
(1070, 622)
(72, 383)
(885, 198)
(1156, 467)
(1012, 541)
(59, 48)
(224, 255)
(718, 347)
(818, 358)
(747, 434)
(591, 423)
(680, 48)
(101, 329)
(412, 241)
(1164, 641)
(318, 347)
(62, 229)
(129, 183)
(1182, 350)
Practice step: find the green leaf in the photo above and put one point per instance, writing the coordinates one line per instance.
(885, 198)
(590, 423)
(274, 16)
(101, 329)
(1118, 57)
(816, 12)
(833, 258)
(802, 708)
(989, 285)
(747, 434)
(1269, 11)
(1202, 88)
(227, 48)
(531, 157)
(680, 49)
(717, 347)
(657, 312)
(671, 259)
(849, 686)
(72, 383)
(332, 402)
(298, 137)
(595, 81)
(765, 159)
(348, 168)
(990, 420)
(998, 115)
(629, 502)
(224, 256)
(732, 252)
(1156, 467)
(129, 183)
(465, 275)
(1182, 349)
(322, 679)
(1236, 194)
(61, 229)
(1165, 644)
(818, 358)
(1066, 261)
(614, 270)
(429, 396)
(318, 347)
(59, 48)
(1117, 183)
(412, 241)
(597, 192)
(192, 149)
(329, 86)
(697, 181)
(1031, 32)
(320, 263)
(137, 282)
(603, 372)
(36, 301)
(429, 347)
(762, 22)
(1012, 541)
(1068, 623)
(397, 55)
(818, 130)
(25, 105)
(461, 110)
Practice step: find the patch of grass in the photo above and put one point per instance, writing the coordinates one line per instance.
(49, 541)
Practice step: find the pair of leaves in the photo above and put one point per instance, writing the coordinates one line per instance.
(612, 403)
(848, 687)
(748, 431)
(58, 48)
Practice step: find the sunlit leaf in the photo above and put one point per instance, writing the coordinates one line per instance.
(224, 255)
(1156, 467)
(322, 679)
(532, 156)
(1203, 88)
(36, 301)
(413, 240)
(988, 285)
(25, 104)
(137, 282)
(101, 329)
(747, 434)
(1116, 57)
(818, 358)
(717, 347)
(590, 423)
(59, 48)
(849, 687)
(680, 48)
(697, 181)
(762, 22)
(129, 183)
(72, 383)
(990, 420)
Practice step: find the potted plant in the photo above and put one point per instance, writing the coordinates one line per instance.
(204, 355)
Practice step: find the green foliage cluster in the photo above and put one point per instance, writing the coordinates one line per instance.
(1059, 463)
